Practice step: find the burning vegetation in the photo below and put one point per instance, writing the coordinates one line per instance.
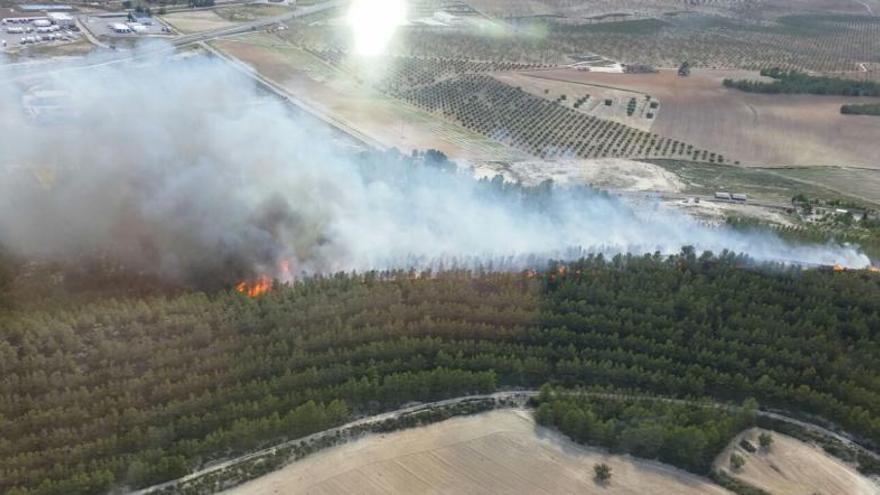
(255, 287)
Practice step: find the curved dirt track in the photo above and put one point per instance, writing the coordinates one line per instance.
(501, 451)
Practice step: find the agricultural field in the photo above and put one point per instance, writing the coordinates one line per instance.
(819, 42)
(343, 100)
(244, 13)
(757, 130)
(497, 452)
(792, 467)
(775, 185)
(632, 108)
(519, 111)
(541, 127)
(609, 10)
(205, 20)
(859, 183)
(196, 21)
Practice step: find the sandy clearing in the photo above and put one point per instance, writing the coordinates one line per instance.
(496, 452)
(792, 467)
(611, 173)
(196, 21)
(716, 213)
(387, 121)
(769, 130)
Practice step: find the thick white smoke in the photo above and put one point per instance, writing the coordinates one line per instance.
(182, 168)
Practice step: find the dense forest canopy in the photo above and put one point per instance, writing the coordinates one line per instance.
(133, 391)
(794, 82)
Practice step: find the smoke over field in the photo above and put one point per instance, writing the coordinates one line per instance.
(182, 169)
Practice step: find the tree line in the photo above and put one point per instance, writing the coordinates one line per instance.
(794, 82)
(863, 109)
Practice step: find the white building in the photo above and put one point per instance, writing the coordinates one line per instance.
(60, 19)
(120, 28)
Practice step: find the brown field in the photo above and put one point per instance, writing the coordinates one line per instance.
(244, 13)
(757, 130)
(551, 89)
(792, 467)
(340, 98)
(495, 452)
(196, 21)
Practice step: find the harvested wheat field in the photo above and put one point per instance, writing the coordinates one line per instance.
(495, 452)
(196, 21)
(754, 129)
(792, 467)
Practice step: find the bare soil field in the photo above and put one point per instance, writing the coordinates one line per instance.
(757, 130)
(860, 183)
(595, 104)
(196, 21)
(496, 452)
(337, 95)
(612, 173)
(792, 467)
(244, 13)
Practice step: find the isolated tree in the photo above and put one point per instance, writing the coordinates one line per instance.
(765, 440)
(737, 462)
(602, 473)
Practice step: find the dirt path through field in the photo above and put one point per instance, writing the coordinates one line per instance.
(497, 452)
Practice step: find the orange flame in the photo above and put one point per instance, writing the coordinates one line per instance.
(874, 269)
(838, 267)
(254, 288)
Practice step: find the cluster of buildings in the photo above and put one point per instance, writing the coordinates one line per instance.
(133, 23)
(37, 26)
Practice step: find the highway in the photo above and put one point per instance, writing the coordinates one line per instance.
(520, 397)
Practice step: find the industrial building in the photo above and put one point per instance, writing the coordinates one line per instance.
(62, 20)
(120, 28)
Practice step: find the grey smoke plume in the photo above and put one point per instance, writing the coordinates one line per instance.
(183, 169)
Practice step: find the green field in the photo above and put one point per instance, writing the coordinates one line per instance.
(861, 186)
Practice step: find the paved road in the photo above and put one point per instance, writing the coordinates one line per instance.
(520, 396)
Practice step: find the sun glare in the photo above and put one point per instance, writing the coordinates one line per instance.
(373, 23)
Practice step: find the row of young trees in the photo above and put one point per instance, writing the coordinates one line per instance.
(129, 392)
(794, 82)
